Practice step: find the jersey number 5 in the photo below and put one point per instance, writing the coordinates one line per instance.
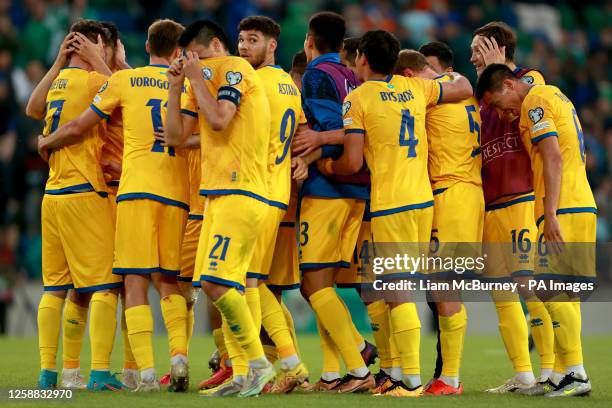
(474, 127)
(156, 105)
(407, 125)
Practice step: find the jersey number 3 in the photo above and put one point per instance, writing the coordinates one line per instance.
(156, 105)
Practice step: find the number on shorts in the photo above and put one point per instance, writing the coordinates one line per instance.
(304, 233)
(520, 242)
(220, 241)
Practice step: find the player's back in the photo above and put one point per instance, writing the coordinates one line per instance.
(453, 134)
(285, 112)
(547, 112)
(393, 114)
(113, 142)
(74, 168)
(149, 170)
(235, 159)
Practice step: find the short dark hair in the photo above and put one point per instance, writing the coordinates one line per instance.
(91, 29)
(163, 36)
(203, 32)
(350, 48)
(381, 48)
(503, 34)
(492, 78)
(299, 62)
(113, 33)
(327, 30)
(410, 59)
(268, 27)
(439, 50)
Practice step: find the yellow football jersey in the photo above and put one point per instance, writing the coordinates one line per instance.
(234, 160)
(74, 168)
(113, 143)
(286, 114)
(391, 114)
(196, 201)
(547, 112)
(149, 170)
(453, 134)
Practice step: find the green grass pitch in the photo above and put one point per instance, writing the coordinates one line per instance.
(484, 365)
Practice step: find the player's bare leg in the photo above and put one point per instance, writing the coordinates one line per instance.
(49, 323)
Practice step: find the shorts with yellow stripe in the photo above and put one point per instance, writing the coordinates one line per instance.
(265, 243)
(329, 228)
(149, 235)
(355, 275)
(509, 238)
(402, 231)
(457, 222)
(577, 261)
(189, 249)
(227, 241)
(77, 242)
(285, 269)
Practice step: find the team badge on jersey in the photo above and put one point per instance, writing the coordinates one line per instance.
(345, 107)
(536, 114)
(207, 73)
(233, 78)
(103, 87)
(528, 79)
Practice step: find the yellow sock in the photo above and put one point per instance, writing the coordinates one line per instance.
(240, 362)
(559, 366)
(452, 334)
(379, 316)
(542, 332)
(174, 311)
(270, 352)
(140, 331)
(578, 311)
(102, 328)
(49, 322)
(275, 323)
(513, 329)
(406, 328)
(291, 327)
(190, 325)
(235, 311)
(220, 341)
(129, 362)
(338, 325)
(567, 332)
(396, 362)
(254, 302)
(359, 340)
(73, 331)
(331, 355)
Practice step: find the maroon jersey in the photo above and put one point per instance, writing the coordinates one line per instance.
(506, 167)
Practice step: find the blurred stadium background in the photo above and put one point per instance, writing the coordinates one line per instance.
(569, 41)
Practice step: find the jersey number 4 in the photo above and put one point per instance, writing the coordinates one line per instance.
(407, 126)
(156, 105)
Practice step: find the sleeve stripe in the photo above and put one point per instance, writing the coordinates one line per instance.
(543, 136)
(188, 112)
(356, 131)
(99, 112)
(441, 93)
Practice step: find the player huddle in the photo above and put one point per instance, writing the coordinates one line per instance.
(226, 173)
